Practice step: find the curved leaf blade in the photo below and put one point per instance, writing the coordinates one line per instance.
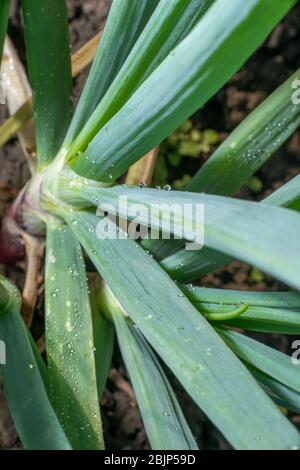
(246, 149)
(33, 415)
(287, 195)
(49, 62)
(261, 319)
(170, 22)
(282, 395)
(104, 336)
(184, 81)
(186, 266)
(250, 145)
(125, 22)
(268, 321)
(238, 158)
(279, 300)
(69, 340)
(270, 243)
(185, 341)
(267, 311)
(272, 362)
(163, 419)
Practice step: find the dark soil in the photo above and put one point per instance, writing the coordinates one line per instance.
(268, 68)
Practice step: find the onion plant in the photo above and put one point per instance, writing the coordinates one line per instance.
(158, 62)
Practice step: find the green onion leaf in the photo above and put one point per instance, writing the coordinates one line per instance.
(282, 395)
(49, 63)
(272, 362)
(170, 23)
(104, 335)
(195, 70)
(163, 419)
(33, 415)
(247, 148)
(126, 21)
(228, 224)
(185, 341)
(69, 339)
